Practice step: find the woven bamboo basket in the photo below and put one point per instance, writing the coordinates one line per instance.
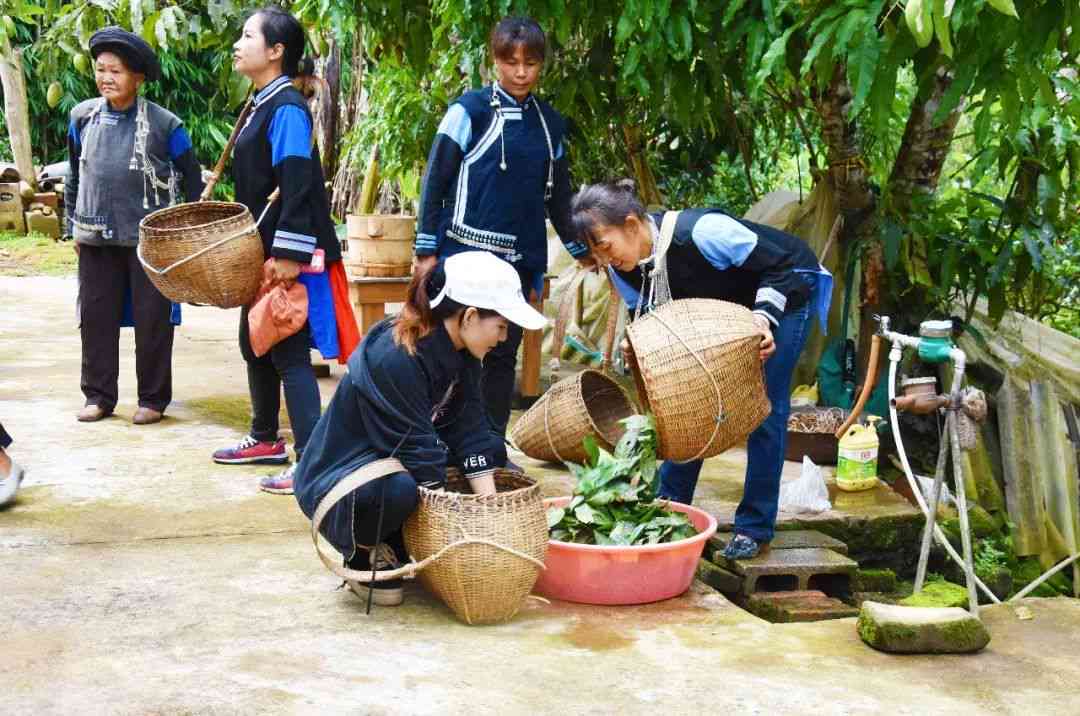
(486, 579)
(697, 369)
(203, 252)
(588, 403)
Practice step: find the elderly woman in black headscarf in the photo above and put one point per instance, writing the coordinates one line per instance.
(128, 157)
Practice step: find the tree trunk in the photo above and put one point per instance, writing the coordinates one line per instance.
(924, 147)
(349, 174)
(331, 72)
(639, 163)
(15, 109)
(855, 200)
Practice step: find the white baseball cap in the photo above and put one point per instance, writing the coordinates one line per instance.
(482, 280)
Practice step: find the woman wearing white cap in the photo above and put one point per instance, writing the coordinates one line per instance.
(412, 393)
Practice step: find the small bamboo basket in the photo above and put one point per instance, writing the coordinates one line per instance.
(696, 365)
(486, 580)
(588, 403)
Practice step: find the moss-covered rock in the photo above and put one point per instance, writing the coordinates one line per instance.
(938, 594)
(913, 630)
(1029, 569)
(874, 580)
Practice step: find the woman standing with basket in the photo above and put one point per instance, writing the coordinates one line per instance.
(274, 152)
(705, 253)
(128, 157)
(497, 165)
(412, 394)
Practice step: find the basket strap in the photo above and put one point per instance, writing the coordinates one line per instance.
(712, 379)
(368, 473)
(197, 254)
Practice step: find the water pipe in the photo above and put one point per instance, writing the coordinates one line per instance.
(1049, 573)
(959, 361)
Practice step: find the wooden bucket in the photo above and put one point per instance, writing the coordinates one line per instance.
(380, 244)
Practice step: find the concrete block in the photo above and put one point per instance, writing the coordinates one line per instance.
(719, 578)
(799, 606)
(789, 569)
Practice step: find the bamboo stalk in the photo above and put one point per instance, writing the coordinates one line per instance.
(369, 190)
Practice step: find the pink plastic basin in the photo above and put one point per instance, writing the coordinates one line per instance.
(594, 574)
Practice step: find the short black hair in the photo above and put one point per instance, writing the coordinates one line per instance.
(518, 30)
(279, 26)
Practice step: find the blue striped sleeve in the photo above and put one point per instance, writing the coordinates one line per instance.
(723, 241)
(179, 143)
(457, 125)
(289, 134)
(73, 134)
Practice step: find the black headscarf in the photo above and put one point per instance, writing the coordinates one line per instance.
(132, 49)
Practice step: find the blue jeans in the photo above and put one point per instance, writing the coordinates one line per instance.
(756, 515)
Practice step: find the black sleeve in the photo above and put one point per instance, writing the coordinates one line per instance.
(559, 209)
(474, 446)
(443, 164)
(295, 236)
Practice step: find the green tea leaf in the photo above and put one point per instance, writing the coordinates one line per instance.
(555, 516)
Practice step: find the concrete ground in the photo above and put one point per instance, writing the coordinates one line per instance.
(138, 577)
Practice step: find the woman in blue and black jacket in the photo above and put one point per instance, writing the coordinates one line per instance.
(711, 254)
(274, 151)
(497, 167)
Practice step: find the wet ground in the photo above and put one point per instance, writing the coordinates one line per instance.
(138, 577)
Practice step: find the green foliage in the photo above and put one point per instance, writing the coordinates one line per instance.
(615, 502)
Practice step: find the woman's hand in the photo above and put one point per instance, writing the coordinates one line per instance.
(284, 270)
(483, 484)
(424, 263)
(768, 345)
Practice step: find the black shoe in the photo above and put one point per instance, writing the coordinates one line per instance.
(386, 593)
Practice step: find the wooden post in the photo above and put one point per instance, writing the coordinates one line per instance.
(15, 109)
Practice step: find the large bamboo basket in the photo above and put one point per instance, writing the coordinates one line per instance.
(203, 252)
(492, 547)
(697, 369)
(380, 244)
(588, 403)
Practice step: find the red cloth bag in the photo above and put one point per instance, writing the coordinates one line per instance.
(278, 311)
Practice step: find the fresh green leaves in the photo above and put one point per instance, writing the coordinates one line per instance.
(615, 502)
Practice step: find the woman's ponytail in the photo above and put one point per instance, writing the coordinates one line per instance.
(416, 318)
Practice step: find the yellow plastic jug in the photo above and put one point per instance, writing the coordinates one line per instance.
(856, 466)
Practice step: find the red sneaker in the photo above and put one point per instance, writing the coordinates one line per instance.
(250, 451)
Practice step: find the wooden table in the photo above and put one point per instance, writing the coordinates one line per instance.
(369, 296)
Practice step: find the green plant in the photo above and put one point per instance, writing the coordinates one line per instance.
(614, 502)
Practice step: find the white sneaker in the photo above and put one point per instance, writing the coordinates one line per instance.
(10, 484)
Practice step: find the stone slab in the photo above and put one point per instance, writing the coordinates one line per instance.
(921, 630)
(800, 563)
(799, 606)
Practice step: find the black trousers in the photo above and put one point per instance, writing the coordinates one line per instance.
(399, 496)
(5, 439)
(500, 369)
(104, 274)
(288, 363)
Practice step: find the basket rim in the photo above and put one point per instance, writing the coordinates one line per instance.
(588, 413)
(147, 224)
(471, 497)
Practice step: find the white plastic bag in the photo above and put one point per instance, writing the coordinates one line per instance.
(926, 486)
(806, 494)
